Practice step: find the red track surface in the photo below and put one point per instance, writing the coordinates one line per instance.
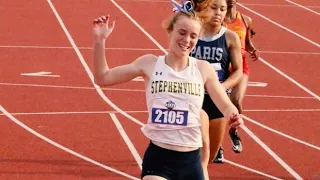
(69, 111)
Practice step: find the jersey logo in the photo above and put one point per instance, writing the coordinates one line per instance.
(170, 105)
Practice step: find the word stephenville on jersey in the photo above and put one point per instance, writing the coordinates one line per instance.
(176, 87)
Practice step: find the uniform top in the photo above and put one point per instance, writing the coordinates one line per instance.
(174, 101)
(214, 49)
(240, 27)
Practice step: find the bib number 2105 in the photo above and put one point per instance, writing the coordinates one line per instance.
(165, 116)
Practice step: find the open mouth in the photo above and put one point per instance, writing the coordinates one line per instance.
(184, 47)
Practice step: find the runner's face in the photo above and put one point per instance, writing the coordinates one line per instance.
(184, 35)
(218, 10)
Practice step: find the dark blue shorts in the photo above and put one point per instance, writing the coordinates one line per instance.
(210, 108)
(171, 164)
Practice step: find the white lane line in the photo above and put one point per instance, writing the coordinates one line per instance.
(273, 154)
(303, 7)
(281, 133)
(127, 140)
(19, 123)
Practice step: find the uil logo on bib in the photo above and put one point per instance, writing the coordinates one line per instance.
(171, 113)
(170, 105)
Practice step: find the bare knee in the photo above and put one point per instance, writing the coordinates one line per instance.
(238, 93)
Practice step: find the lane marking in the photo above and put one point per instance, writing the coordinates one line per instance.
(83, 48)
(282, 110)
(248, 4)
(70, 112)
(250, 169)
(290, 79)
(141, 90)
(290, 52)
(41, 74)
(273, 154)
(285, 97)
(144, 111)
(257, 84)
(127, 140)
(252, 84)
(30, 130)
(245, 117)
(303, 7)
(69, 87)
(148, 49)
(279, 25)
(276, 5)
(281, 133)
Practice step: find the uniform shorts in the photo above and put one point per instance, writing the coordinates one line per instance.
(245, 65)
(210, 108)
(173, 165)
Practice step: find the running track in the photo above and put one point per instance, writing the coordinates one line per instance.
(61, 126)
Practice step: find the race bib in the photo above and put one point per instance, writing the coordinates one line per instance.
(218, 68)
(170, 113)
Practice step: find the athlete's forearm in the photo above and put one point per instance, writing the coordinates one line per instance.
(250, 47)
(249, 44)
(100, 66)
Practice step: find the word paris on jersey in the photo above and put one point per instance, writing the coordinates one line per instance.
(207, 53)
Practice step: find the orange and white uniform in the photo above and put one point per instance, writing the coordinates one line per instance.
(239, 26)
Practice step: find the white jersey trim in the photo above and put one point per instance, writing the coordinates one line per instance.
(215, 37)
